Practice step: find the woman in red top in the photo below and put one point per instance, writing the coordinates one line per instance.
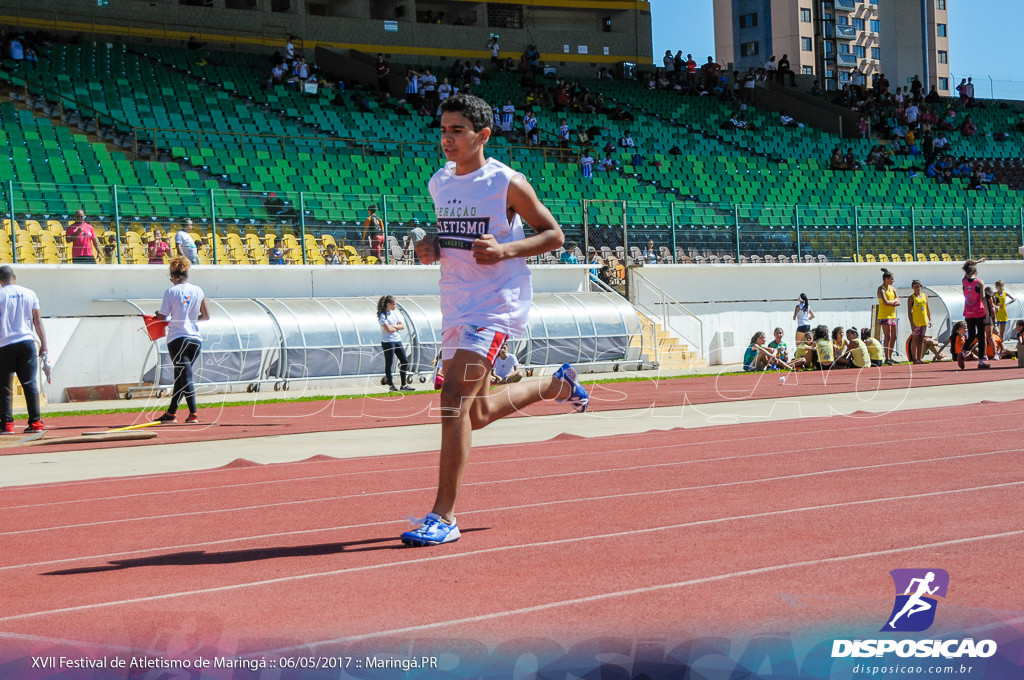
(158, 247)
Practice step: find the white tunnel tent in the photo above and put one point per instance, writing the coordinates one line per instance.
(254, 341)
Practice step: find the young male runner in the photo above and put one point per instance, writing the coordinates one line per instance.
(485, 295)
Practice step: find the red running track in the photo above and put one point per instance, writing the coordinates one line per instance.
(263, 419)
(743, 528)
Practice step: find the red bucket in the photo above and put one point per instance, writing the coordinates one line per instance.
(157, 328)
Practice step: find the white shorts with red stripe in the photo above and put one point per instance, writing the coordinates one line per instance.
(476, 339)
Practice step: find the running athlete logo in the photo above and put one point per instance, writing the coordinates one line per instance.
(914, 609)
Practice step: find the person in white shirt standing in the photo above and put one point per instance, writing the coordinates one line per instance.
(184, 305)
(184, 244)
(391, 342)
(19, 314)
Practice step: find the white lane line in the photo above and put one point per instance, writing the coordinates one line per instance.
(640, 591)
(485, 551)
(517, 480)
(485, 461)
(483, 511)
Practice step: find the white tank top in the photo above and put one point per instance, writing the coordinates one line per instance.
(495, 296)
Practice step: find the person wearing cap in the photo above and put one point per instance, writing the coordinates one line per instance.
(415, 235)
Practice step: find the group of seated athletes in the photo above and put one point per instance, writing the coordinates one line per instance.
(848, 348)
(822, 349)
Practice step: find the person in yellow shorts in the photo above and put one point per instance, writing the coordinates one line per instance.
(1001, 298)
(874, 346)
(920, 321)
(888, 301)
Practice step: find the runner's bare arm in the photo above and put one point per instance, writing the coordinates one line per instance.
(547, 236)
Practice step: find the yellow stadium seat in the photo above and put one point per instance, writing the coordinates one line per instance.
(932, 257)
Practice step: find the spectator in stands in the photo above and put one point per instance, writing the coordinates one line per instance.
(836, 162)
(587, 165)
(444, 90)
(110, 249)
(331, 255)
(412, 88)
(276, 255)
(278, 74)
(785, 71)
(508, 115)
(786, 120)
(739, 122)
(568, 255)
(749, 82)
(976, 181)
(383, 69)
(604, 275)
(415, 235)
(650, 253)
(184, 243)
(530, 131)
(361, 101)
(85, 246)
(373, 232)
(968, 128)
(851, 161)
(712, 70)
(969, 88)
(158, 247)
(506, 368)
(607, 164)
(15, 49)
(495, 49)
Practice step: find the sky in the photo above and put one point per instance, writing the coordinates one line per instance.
(982, 35)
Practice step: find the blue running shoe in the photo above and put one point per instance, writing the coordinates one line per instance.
(433, 531)
(579, 397)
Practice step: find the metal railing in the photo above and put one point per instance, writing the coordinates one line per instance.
(688, 232)
(662, 308)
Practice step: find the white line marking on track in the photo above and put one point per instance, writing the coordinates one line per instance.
(480, 460)
(483, 511)
(507, 548)
(519, 480)
(642, 591)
